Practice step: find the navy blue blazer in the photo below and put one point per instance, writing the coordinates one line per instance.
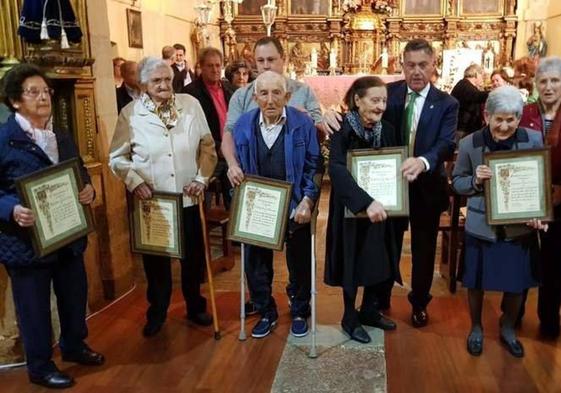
(434, 139)
(20, 156)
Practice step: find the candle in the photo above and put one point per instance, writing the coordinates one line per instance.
(314, 58)
(385, 58)
(333, 59)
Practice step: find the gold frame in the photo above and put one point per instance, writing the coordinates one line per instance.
(500, 11)
(412, 16)
(545, 153)
(286, 195)
(402, 151)
(44, 247)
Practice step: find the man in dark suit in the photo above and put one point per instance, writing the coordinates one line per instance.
(129, 89)
(182, 74)
(427, 119)
(471, 98)
(213, 95)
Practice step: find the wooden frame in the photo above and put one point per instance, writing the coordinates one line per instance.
(52, 193)
(134, 28)
(537, 165)
(269, 228)
(165, 223)
(441, 10)
(401, 208)
(497, 12)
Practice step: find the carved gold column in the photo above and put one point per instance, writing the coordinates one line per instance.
(10, 44)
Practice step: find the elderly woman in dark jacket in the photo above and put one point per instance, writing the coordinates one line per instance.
(28, 143)
(360, 251)
(497, 258)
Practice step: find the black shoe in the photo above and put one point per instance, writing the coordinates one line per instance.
(86, 357)
(419, 317)
(376, 319)
(357, 333)
(475, 344)
(201, 319)
(514, 347)
(250, 308)
(151, 328)
(54, 380)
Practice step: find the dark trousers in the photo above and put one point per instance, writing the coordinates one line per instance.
(373, 301)
(158, 272)
(549, 297)
(31, 288)
(424, 232)
(259, 271)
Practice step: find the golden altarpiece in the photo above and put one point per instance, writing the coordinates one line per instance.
(361, 32)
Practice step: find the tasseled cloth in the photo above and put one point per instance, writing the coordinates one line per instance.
(49, 19)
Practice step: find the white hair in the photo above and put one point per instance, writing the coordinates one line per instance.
(148, 65)
(271, 75)
(505, 99)
(549, 64)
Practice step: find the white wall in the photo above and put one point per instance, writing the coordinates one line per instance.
(164, 22)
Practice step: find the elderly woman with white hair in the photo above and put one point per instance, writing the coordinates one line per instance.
(497, 258)
(162, 143)
(545, 117)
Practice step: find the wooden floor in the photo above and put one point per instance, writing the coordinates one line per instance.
(185, 358)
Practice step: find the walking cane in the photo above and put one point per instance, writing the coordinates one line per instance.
(313, 226)
(201, 199)
(242, 336)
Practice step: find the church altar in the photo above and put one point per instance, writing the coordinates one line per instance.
(330, 89)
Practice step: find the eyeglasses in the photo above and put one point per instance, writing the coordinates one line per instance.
(34, 92)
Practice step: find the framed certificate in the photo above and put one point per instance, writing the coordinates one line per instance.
(259, 212)
(52, 194)
(378, 172)
(157, 225)
(520, 186)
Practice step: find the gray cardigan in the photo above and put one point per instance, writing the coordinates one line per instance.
(470, 156)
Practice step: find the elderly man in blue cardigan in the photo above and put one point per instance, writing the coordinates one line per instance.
(280, 142)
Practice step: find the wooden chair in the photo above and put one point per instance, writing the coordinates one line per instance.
(452, 228)
(218, 216)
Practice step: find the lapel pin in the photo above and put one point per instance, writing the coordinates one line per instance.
(432, 106)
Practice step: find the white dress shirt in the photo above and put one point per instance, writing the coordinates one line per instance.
(417, 110)
(271, 133)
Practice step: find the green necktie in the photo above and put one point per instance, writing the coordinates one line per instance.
(409, 111)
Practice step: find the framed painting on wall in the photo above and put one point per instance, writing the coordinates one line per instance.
(251, 7)
(134, 28)
(481, 7)
(309, 7)
(422, 7)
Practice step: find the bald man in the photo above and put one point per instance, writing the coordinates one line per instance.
(280, 142)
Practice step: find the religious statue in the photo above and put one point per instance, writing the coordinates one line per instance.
(231, 44)
(247, 55)
(323, 60)
(197, 37)
(537, 46)
(298, 57)
(489, 58)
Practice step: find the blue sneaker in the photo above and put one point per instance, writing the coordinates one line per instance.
(264, 326)
(299, 327)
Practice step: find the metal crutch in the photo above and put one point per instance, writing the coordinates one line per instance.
(208, 267)
(318, 178)
(242, 336)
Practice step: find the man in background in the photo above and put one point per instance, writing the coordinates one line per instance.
(182, 74)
